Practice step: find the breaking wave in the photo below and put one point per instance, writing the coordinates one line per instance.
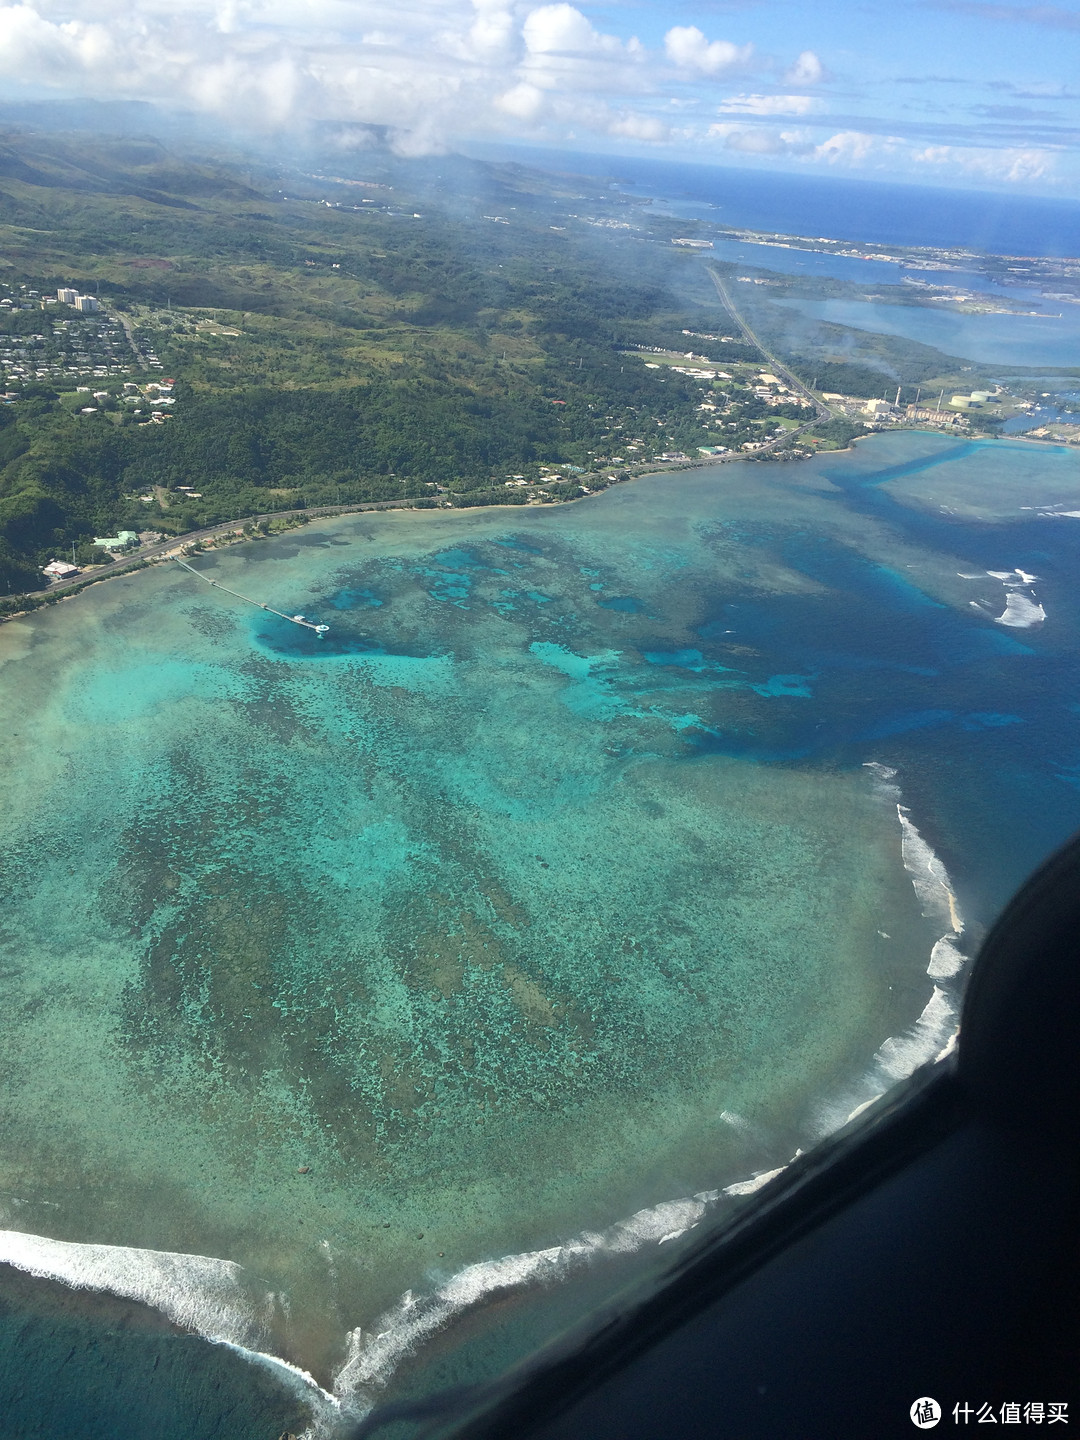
(374, 1354)
(1022, 609)
(196, 1292)
(933, 1036)
(1021, 612)
(215, 1299)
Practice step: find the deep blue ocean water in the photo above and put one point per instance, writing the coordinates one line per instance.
(982, 720)
(665, 659)
(888, 214)
(530, 739)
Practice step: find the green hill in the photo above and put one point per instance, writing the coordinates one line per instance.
(365, 336)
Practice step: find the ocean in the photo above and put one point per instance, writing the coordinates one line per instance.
(879, 214)
(601, 855)
(1004, 223)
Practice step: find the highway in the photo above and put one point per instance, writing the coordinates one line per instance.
(777, 366)
(156, 552)
(175, 542)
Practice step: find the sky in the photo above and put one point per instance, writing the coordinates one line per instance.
(947, 92)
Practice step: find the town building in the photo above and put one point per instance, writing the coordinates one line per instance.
(123, 541)
(67, 297)
(87, 304)
(60, 570)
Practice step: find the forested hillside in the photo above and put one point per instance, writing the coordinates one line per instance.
(330, 340)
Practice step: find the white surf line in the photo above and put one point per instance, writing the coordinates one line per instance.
(930, 881)
(933, 1035)
(749, 1187)
(326, 1409)
(226, 1315)
(197, 1292)
(1022, 610)
(373, 1355)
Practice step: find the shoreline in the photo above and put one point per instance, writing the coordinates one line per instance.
(707, 484)
(234, 532)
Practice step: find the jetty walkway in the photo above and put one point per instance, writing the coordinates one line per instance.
(319, 630)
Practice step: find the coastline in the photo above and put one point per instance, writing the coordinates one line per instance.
(235, 532)
(845, 1104)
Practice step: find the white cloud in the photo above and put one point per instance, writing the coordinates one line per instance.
(769, 105)
(640, 127)
(807, 70)
(856, 150)
(564, 51)
(523, 102)
(1010, 166)
(433, 71)
(562, 30)
(853, 148)
(428, 69)
(688, 48)
(760, 139)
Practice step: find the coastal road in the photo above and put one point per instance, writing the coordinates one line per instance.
(232, 527)
(792, 381)
(227, 527)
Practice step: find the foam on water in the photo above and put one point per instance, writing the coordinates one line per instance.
(327, 1411)
(755, 1183)
(1022, 611)
(374, 1354)
(945, 959)
(198, 1292)
(929, 878)
(208, 1296)
(933, 1036)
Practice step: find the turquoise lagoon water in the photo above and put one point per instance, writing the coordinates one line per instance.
(560, 884)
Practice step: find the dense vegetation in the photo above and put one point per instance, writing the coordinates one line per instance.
(331, 347)
(405, 330)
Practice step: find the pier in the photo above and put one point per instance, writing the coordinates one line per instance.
(320, 630)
